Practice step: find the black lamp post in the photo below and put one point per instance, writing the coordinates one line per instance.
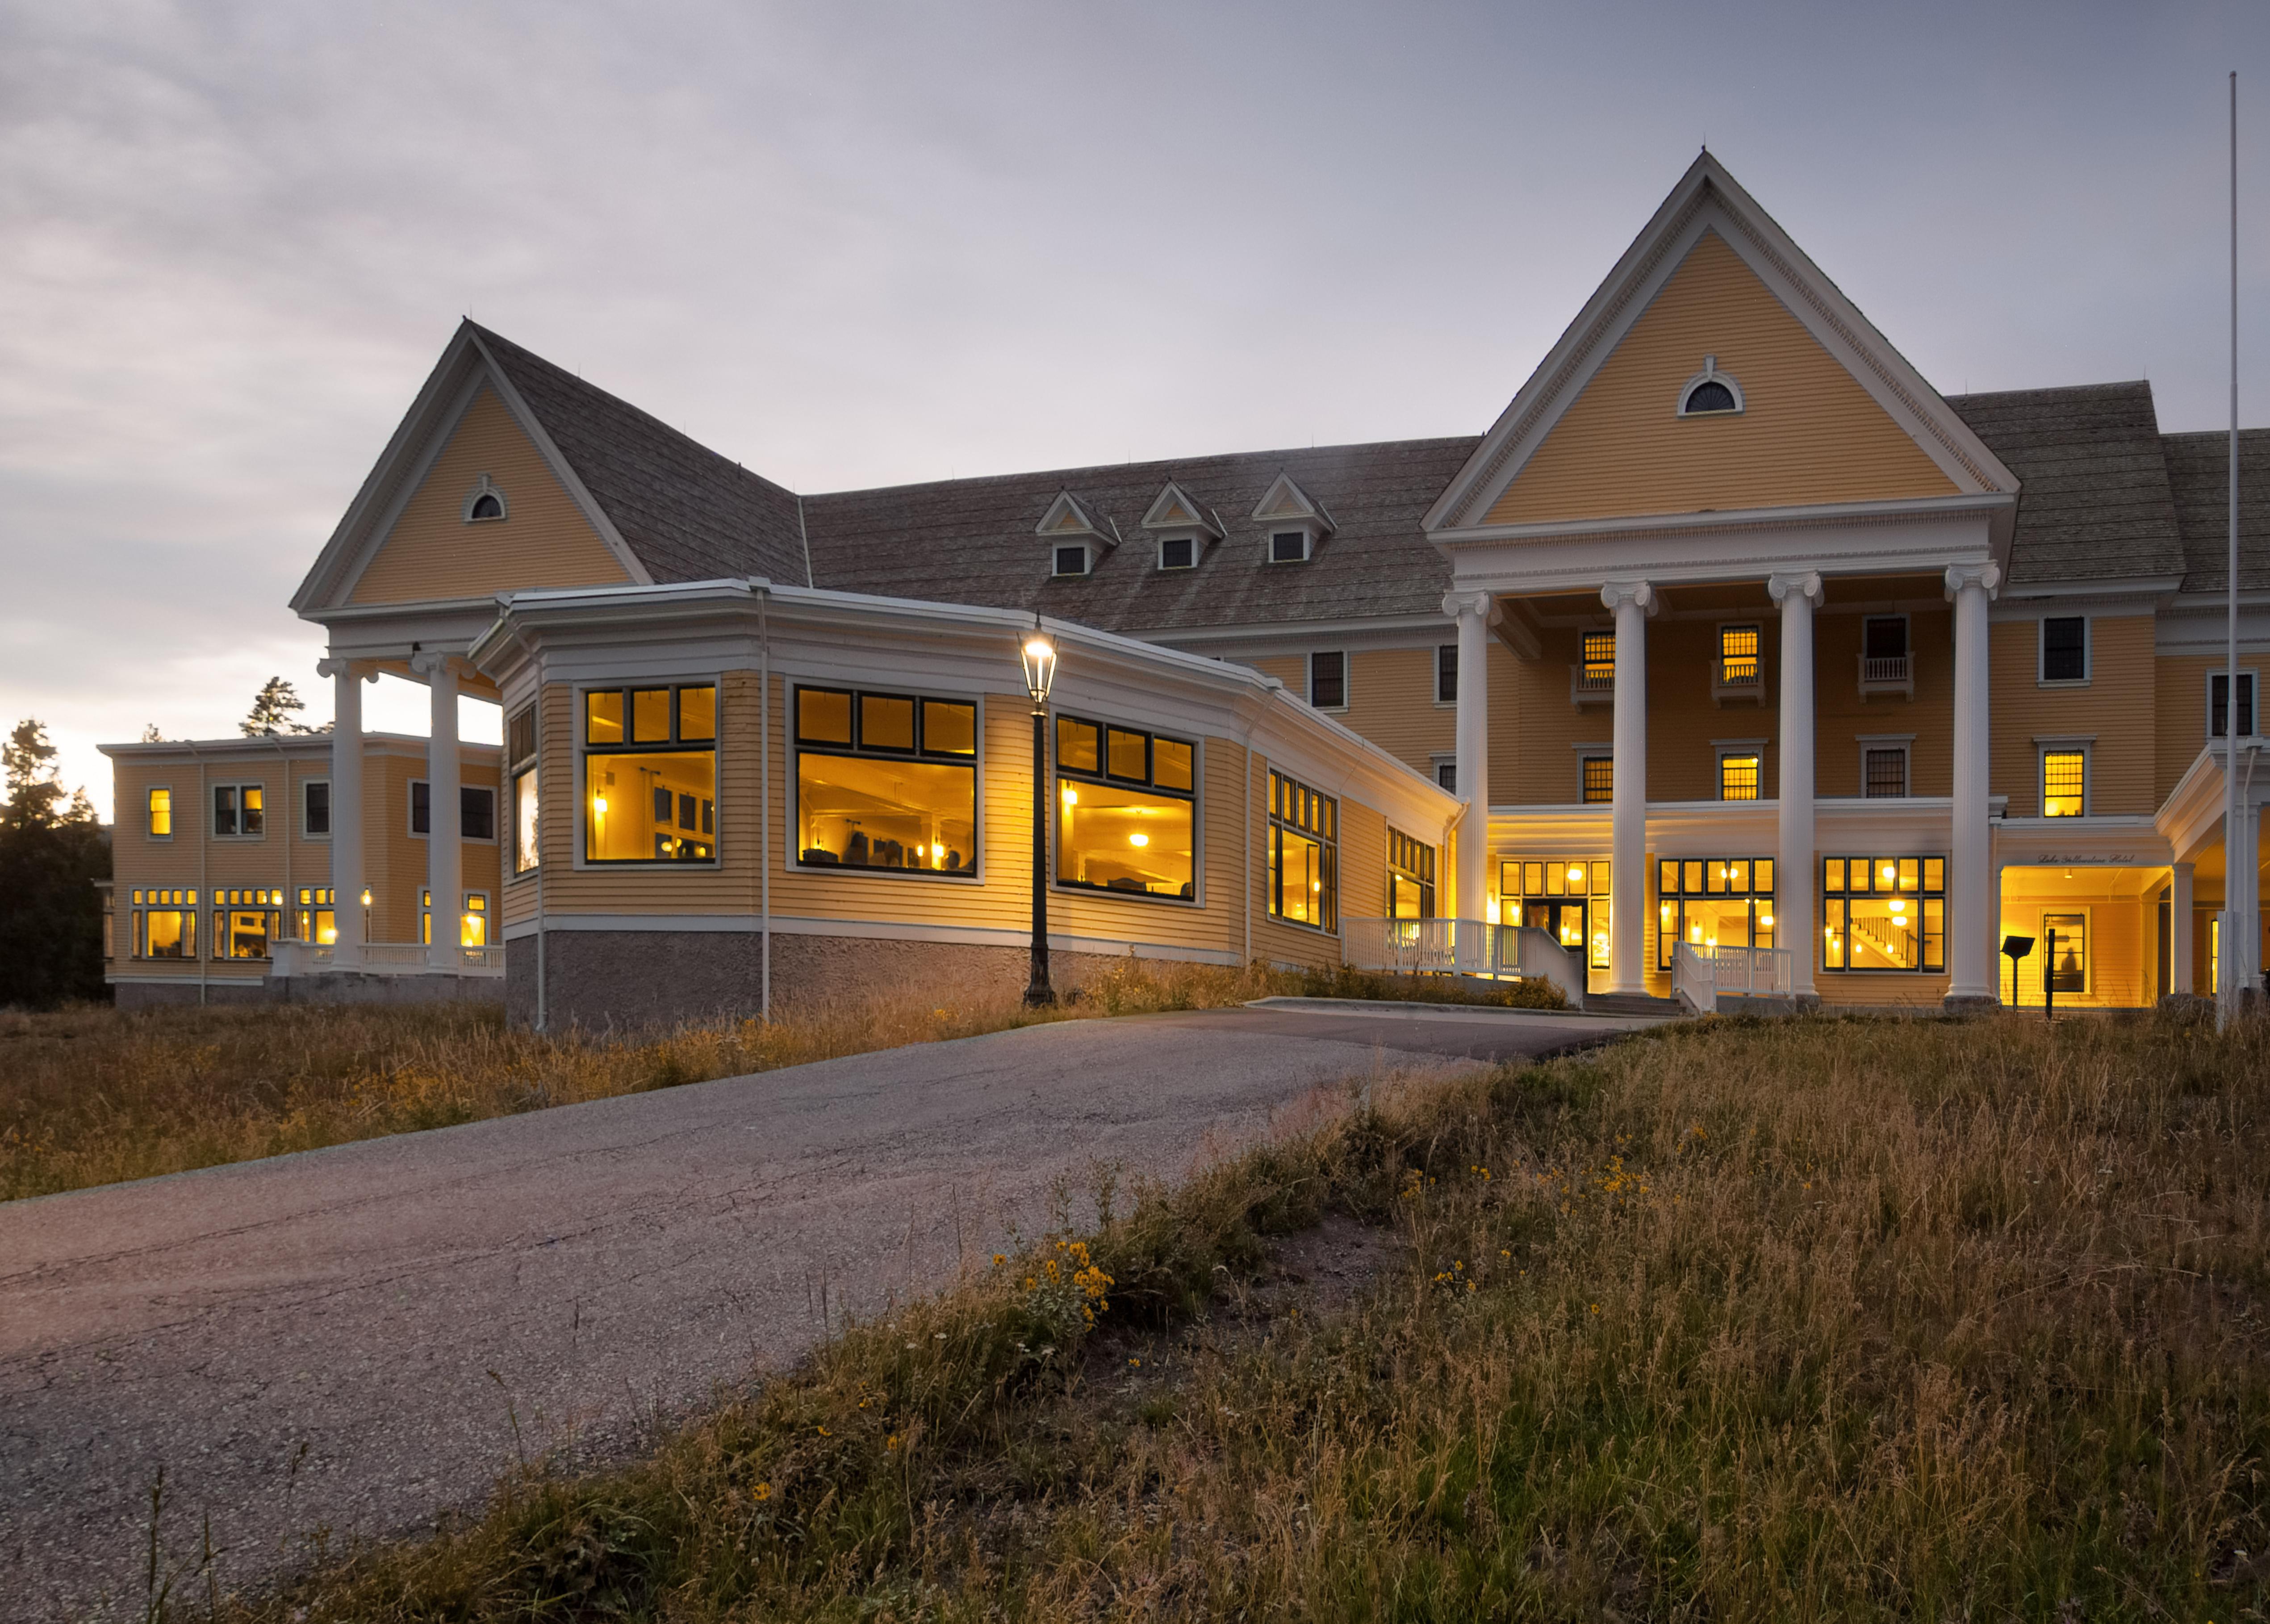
(1040, 660)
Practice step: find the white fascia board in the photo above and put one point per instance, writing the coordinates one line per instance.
(1247, 637)
(388, 634)
(305, 747)
(2128, 841)
(1706, 197)
(2187, 630)
(2035, 600)
(2192, 816)
(1579, 559)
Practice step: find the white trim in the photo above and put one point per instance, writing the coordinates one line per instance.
(485, 486)
(1709, 374)
(1158, 516)
(1057, 549)
(213, 789)
(1436, 672)
(1904, 744)
(2041, 679)
(866, 929)
(793, 822)
(2249, 684)
(1196, 545)
(1197, 742)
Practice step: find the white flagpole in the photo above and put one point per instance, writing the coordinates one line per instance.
(2238, 921)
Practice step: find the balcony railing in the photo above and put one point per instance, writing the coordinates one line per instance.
(1887, 673)
(297, 958)
(1592, 685)
(1740, 677)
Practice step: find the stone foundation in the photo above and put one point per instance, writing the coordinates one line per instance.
(343, 988)
(614, 980)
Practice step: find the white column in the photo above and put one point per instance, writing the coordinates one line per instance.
(2242, 884)
(2180, 928)
(346, 876)
(1472, 611)
(444, 856)
(1633, 601)
(1796, 920)
(1969, 952)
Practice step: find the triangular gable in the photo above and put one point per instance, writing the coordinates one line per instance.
(1066, 517)
(1284, 500)
(410, 537)
(1831, 413)
(1175, 510)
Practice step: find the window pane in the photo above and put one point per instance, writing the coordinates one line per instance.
(1509, 879)
(1832, 935)
(697, 714)
(2218, 712)
(650, 716)
(1123, 840)
(886, 722)
(522, 741)
(1887, 773)
(631, 805)
(1886, 637)
(161, 812)
(1600, 779)
(1738, 778)
(823, 716)
(1600, 878)
(1934, 873)
(603, 718)
(2065, 644)
(1762, 872)
(1716, 922)
(1300, 877)
(1125, 755)
(474, 923)
(1533, 878)
(2062, 775)
(2068, 960)
(247, 935)
(1598, 933)
(1691, 877)
(224, 808)
(1446, 673)
(253, 815)
(1666, 879)
(1737, 653)
(1832, 874)
(858, 814)
(476, 812)
(1738, 876)
(1600, 657)
(523, 823)
(1887, 934)
(1079, 747)
(319, 808)
(1574, 873)
(1170, 764)
(1910, 873)
(1288, 546)
(1934, 934)
(1327, 680)
(949, 729)
(421, 809)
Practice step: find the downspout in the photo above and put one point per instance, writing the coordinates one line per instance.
(764, 802)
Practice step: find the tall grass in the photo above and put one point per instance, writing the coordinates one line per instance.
(1831, 1319)
(91, 1095)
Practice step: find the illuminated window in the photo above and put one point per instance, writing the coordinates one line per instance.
(1599, 660)
(1737, 656)
(1738, 778)
(650, 794)
(317, 922)
(244, 921)
(1126, 810)
(1883, 914)
(165, 924)
(1714, 903)
(472, 919)
(1600, 779)
(1303, 855)
(2065, 775)
(520, 752)
(885, 782)
(162, 814)
(1566, 897)
(1410, 877)
(240, 810)
(2068, 958)
(1328, 681)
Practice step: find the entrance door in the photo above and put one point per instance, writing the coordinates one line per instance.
(1565, 919)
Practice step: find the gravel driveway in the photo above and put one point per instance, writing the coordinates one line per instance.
(361, 1338)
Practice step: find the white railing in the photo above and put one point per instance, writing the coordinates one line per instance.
(1583, 685)
(395, 956)
(1887, 671)
(482, 960)
(290, 957)
(1537, 955)
(1415, 946)
(1700, 977)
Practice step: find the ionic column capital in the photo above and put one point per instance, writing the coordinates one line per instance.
(1456, 605)
(340, 666)
(431, 663)
(1805, 584)
(1616, 593)
(1985, 577)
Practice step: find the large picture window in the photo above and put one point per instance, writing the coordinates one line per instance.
(1410, 877)
(520, 767)
(318, 919)
(165, 924)
(1713, 903)
(885, 782)
(650, 774)
(1565, 897)
(1126, 810)
(244, 921)
(1883, 914)
(1304, 832)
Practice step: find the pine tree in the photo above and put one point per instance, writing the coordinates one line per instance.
(51, 852)
(151, 734)
(271, 711)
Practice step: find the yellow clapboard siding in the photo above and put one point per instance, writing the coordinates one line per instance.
(432, 553)
(1392, 702)
(1840, 716)
(1808, 433)
(2116, 707)
(2179, 712)
(2118, 944)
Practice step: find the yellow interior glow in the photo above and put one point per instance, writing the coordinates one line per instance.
(600, 804)
(1576, 873)
(1072, 796)
(1138, 839)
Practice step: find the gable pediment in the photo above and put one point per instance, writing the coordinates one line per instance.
(1286, 502)
(1715, 370)
(1176, 509)
(1066, 519)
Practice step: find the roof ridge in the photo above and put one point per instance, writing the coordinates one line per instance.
(1120, 471)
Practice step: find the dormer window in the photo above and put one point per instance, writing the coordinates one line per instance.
(1076, 540)
(1709, 393)
(1288, 546)
(484, 502)
(1184, 527)
(1293, 523)
(1072, 562)
(1178, 552)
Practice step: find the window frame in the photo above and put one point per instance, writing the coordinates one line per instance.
(1923, 894)
(1905, 745)
(1585, 765)
(1327, 654)
(222, 903)
(2250, 684)
(1740, 752)
(2042, 679)
(1149, 785)
(1329, 846)
(212, 807)
(1719, 679)
(1057, 550)
(579, 723)
(793, 790)
(1271, 537)
(2043, 749)
(1188, 539)
(1765, 900)
(517, 767)
(148, 791)
(306, 831)
(1446, 665)
(1446, 762)
(146, 900)
(1420, 873)
(464, 790)
(2086, 912)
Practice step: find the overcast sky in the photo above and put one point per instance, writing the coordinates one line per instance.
(853, 244)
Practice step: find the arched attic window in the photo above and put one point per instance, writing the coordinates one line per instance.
(1709, 392)
(484, 502)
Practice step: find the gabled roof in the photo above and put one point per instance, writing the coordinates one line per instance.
(1176, 509)
(971, 540)
(1708, 199)
(1066, 517)
(2094, 502)
(1285, 502)
(2199, 470)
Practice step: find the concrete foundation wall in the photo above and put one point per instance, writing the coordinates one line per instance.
(603, 980)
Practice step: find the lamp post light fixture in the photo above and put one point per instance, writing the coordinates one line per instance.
(1040, 660)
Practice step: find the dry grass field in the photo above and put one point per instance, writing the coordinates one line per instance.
(91, 1095)
(1832, 1319)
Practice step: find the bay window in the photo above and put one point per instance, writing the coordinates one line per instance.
(885, 782)
(520, 748)
(1126, 810)
(650, 774)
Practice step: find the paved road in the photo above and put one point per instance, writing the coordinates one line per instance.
(347, 1338)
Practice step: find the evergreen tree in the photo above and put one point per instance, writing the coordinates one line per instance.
(51, 852)
(272, 709)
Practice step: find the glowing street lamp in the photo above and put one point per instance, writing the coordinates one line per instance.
(1039, 656)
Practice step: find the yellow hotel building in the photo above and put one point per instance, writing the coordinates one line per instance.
(1733, 659)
